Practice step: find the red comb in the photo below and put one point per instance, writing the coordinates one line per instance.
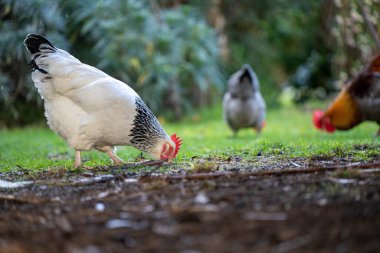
(322, 122)
(317, 118)
(178, 142)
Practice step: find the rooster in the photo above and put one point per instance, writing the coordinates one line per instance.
(358, 101)
(91, 110)
(243, 104)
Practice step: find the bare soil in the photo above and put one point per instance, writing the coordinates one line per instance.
(267, 205)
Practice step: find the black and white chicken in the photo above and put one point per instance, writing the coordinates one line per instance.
(91, 110)
(243, 104)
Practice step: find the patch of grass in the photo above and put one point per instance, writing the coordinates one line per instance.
(289, 133)
(203, 167)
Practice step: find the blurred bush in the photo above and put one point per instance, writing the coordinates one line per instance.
(280, 39)
(170, 56)
(309, 47)
(345, 46)
(355, 43)
(19, 101)
(172, 51)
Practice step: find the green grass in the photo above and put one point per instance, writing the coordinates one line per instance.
(289, 133)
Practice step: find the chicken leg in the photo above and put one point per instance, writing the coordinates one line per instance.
(111, 152)
(77, 162)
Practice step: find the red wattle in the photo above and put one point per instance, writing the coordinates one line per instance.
(328, 126)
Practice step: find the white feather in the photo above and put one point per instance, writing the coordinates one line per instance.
(84, 105)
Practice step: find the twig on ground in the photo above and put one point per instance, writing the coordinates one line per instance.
(304, 170)
(13, 198)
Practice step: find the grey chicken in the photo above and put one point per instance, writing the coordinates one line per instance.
(243, 105)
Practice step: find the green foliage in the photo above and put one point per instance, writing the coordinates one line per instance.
(343, 47)
(171, 53)
(311, 46)
(205, 135)
(355, 44)
(170, 57)
(18, 97)
(275, 37)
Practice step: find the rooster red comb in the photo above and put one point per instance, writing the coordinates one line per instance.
(178, 142)
(321, 122)
(317, 118)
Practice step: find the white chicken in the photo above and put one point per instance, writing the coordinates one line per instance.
(243, 104)
(90, 109)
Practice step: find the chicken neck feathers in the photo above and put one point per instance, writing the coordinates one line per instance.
(146, 128)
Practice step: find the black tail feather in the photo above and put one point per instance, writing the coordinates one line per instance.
(33, 42)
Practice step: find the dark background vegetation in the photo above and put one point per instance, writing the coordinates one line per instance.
(178, 54)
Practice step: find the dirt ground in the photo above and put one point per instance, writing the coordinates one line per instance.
(288, 205)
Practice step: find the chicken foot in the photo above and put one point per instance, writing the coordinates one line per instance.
(111, 152)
